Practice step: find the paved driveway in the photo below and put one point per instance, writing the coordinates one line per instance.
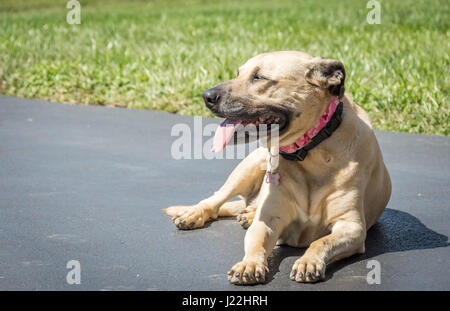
(87, 183)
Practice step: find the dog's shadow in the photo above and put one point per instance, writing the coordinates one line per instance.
(395, 231)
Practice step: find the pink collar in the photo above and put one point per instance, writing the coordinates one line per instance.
(306, 138)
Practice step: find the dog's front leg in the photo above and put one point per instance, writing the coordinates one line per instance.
(346, 238)
(271, 219)
(245, 179)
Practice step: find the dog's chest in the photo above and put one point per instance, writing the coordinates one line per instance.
(302, 231)
(308, 222)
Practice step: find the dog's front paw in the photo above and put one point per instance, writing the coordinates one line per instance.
(308, 269)
(247, 273)
(186, 217)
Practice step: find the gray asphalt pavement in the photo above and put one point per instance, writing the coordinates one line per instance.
(87, 183)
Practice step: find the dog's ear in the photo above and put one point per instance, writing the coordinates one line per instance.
(328, 74)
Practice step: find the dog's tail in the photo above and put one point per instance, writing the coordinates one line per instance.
(232, 208)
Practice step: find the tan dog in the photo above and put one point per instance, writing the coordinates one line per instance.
(326, 202)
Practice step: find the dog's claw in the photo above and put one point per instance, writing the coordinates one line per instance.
(247, 273)
(245, 219)
(308, 269)
(187, 217)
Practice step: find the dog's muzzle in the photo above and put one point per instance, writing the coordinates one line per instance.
(211, 97)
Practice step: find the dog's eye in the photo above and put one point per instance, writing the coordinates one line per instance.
(257, 77)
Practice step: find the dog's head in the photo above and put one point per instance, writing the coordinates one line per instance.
(291, 89)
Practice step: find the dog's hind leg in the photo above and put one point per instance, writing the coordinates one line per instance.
(244, 214)
(245, 180)
(245, 218)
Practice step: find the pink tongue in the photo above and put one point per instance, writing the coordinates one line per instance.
(223, 134)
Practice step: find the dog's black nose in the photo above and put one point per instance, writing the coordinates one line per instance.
(211, 97)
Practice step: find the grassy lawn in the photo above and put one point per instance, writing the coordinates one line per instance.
(163, 54)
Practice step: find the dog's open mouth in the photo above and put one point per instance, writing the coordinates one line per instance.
(242, 129)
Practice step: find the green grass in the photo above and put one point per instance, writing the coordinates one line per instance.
(163, 54)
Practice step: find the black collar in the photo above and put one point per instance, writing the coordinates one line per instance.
(324, 133)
